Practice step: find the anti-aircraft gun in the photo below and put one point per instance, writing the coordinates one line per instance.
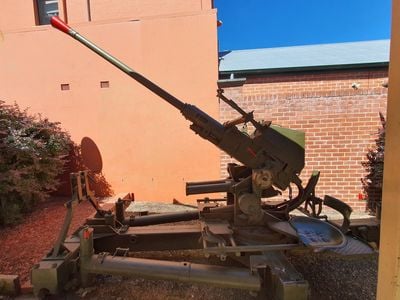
(272, 157)
(246, 228)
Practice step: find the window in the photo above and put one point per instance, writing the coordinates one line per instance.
(46, 9)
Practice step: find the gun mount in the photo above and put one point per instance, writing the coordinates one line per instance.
(245, 229)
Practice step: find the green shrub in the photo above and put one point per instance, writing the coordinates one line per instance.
(33, 152)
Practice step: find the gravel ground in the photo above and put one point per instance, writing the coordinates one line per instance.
(157, 207)
(332, 276)
(140, 289)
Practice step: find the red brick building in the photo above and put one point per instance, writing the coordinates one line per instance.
(333, 92)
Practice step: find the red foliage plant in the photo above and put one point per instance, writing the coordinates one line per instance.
(34, 153)
(372, 182)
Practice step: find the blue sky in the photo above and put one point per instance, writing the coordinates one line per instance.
(273, 23)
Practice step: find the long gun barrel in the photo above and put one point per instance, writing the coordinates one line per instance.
(268, 149)
(60, 25)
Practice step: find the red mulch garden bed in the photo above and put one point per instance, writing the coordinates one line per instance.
(26, 244)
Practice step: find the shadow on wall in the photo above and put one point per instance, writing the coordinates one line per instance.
(85, 156)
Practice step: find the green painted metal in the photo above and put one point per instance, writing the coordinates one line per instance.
(281, 280)
(51, 275)
(296, 136)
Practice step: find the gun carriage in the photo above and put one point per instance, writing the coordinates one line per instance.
(242, 226)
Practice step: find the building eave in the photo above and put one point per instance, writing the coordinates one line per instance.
(244, 72)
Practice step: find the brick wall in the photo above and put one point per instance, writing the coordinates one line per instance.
(340, 122)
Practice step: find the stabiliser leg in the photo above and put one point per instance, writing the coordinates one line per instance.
(91, 263)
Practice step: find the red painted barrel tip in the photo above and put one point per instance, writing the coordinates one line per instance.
(59, 24)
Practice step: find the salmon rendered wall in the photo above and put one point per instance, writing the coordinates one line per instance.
(146, 145)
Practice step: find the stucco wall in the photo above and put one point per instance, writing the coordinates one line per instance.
(146, 145)
(16, 14)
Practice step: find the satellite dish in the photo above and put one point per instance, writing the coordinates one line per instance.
(91, 156)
